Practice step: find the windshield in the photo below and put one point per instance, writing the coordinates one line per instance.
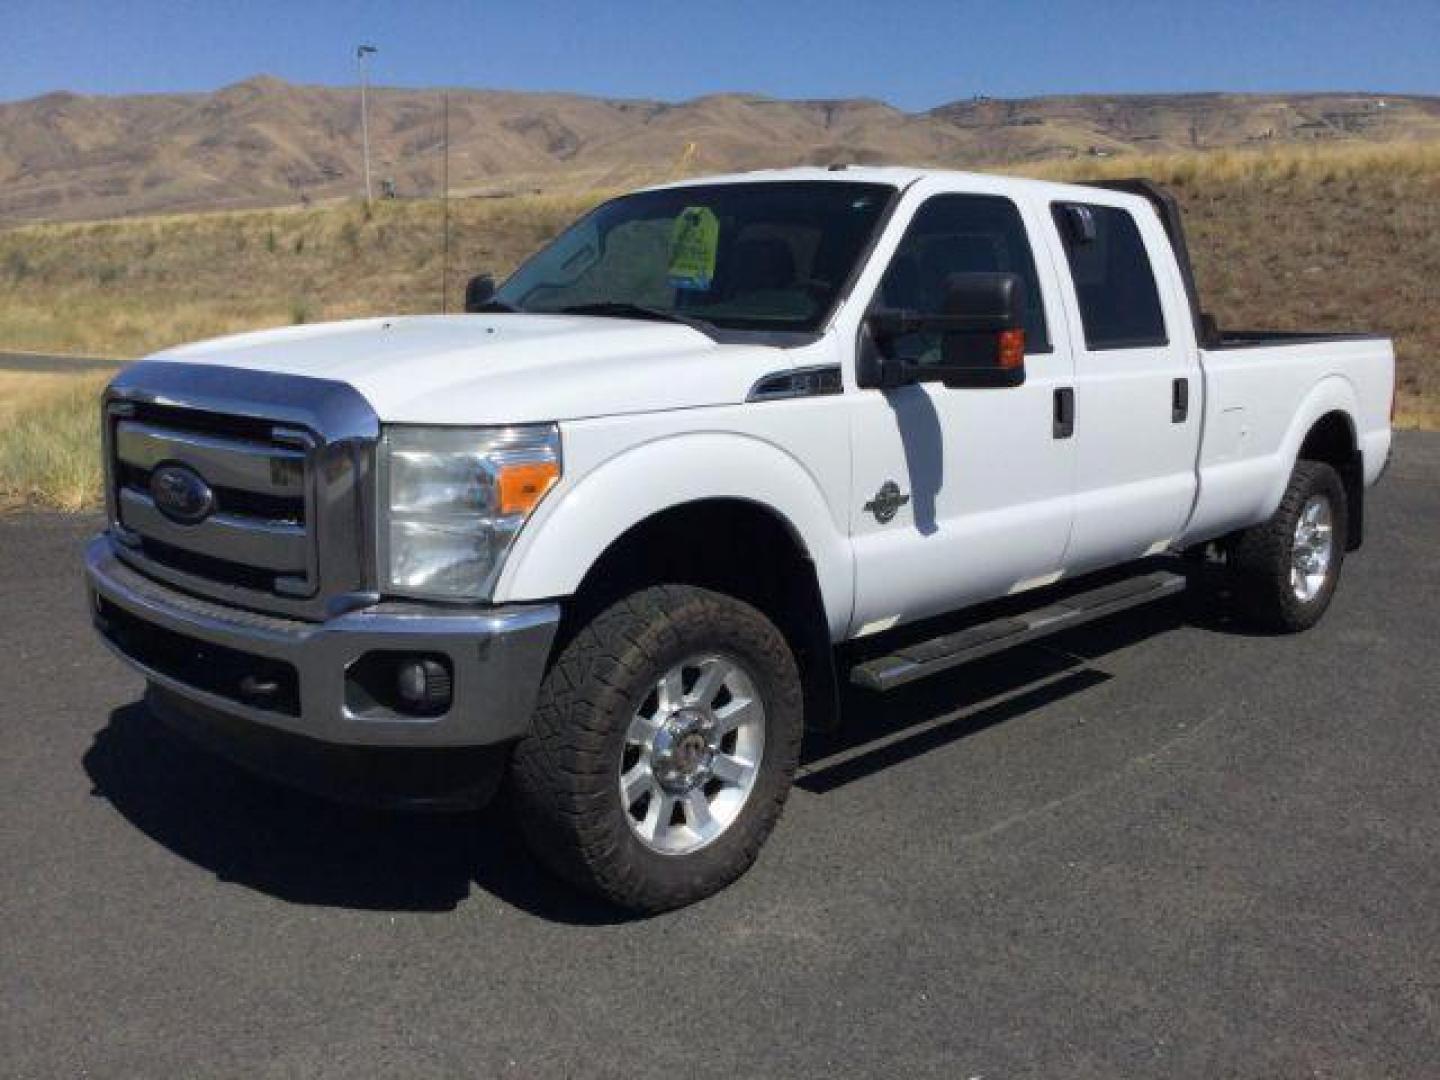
(749, 256)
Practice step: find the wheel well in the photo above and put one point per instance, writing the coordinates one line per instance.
(734, 547)
(1331, 439)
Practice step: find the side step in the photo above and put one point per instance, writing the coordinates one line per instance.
(944, 652)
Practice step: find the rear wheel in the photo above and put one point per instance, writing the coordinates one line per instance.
(1286, 570)
(665, 739)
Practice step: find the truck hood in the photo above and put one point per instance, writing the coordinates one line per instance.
(503, 368)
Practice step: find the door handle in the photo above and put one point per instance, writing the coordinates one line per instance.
(1064, 422)
(1179, 401)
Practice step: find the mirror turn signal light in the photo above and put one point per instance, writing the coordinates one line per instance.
(521, 486)
(1012, 349)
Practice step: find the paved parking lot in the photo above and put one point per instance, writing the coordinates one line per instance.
(1157, 847)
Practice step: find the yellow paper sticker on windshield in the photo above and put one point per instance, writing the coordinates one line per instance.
(693, 240)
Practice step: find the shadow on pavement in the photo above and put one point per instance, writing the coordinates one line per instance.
(295, 847)
(881, 730)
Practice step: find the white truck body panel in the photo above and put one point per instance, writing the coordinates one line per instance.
(1260, 404)
(510, 369)
(791, 457)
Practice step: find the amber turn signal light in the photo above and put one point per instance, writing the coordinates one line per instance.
(1012, 349)
(521, 486)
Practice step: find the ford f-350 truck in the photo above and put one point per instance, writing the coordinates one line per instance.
(615, 536)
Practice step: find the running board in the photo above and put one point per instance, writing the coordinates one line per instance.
(944, 652)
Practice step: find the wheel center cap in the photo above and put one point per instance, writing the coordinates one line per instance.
(680, 757)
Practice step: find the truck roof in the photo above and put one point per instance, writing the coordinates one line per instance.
(899, 176)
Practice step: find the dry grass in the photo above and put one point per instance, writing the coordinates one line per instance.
(1323, 163)
(1335, 237)
(22, 391)
(49, 440)
(130, 287)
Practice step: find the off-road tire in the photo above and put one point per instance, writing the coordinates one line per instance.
(564, 774)
(1260, 558)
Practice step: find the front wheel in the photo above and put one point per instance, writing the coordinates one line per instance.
(665, 738)
(1286, 570)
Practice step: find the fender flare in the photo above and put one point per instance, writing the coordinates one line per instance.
(1333, 393)
(564, 539)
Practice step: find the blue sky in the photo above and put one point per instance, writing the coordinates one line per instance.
(915, 55)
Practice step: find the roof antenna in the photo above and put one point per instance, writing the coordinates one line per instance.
(445, 206)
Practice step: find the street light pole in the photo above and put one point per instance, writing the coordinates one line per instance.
(361, 52)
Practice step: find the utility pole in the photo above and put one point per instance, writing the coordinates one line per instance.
(445, 207)
(361, 52)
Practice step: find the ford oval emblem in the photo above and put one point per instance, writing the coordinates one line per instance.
(181, 494)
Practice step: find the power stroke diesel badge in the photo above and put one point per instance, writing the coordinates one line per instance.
(887, 502)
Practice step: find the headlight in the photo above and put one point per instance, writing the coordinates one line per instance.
(452, 500)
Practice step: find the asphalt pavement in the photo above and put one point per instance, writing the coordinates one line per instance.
(1156, 847)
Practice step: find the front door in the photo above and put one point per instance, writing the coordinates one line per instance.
(960, 495)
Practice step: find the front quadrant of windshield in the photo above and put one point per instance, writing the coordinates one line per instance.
(763, 255)
(694, 241)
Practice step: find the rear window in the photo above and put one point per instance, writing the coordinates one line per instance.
(1119, 303)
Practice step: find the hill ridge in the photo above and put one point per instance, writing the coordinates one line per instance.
(263, 141)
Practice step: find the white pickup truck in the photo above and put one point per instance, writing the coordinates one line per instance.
(616, 535)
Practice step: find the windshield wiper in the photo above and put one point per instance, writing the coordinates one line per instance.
(616, 309)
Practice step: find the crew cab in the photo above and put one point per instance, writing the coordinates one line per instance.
(617, 534)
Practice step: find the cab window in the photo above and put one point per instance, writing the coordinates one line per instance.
(956, 234)
(1119, 303)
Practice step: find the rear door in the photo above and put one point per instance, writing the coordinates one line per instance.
(1137, 388)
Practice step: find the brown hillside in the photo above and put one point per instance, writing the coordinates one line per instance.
(264, 142)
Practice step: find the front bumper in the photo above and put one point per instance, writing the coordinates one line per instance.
(210, 658)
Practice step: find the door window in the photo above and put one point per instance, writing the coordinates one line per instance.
(1114, 284)
(956, 234)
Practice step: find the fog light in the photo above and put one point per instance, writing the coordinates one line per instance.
(424, 685)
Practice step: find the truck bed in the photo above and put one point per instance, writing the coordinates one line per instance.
(1263, 392)
(1254, 339)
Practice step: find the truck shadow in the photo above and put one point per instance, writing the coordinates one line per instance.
(297, 848)
(304, 850)
(881, 730)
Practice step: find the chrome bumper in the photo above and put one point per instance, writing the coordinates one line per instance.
(198, 651)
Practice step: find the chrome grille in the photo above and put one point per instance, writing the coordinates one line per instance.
(288, 462)
(258, 531)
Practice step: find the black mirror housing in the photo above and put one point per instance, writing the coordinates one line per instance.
(988, 302)
(982, 335)
(478, 292)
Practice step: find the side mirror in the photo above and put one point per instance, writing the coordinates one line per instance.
(478, 292)
(981, 336)
(1079, 223)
